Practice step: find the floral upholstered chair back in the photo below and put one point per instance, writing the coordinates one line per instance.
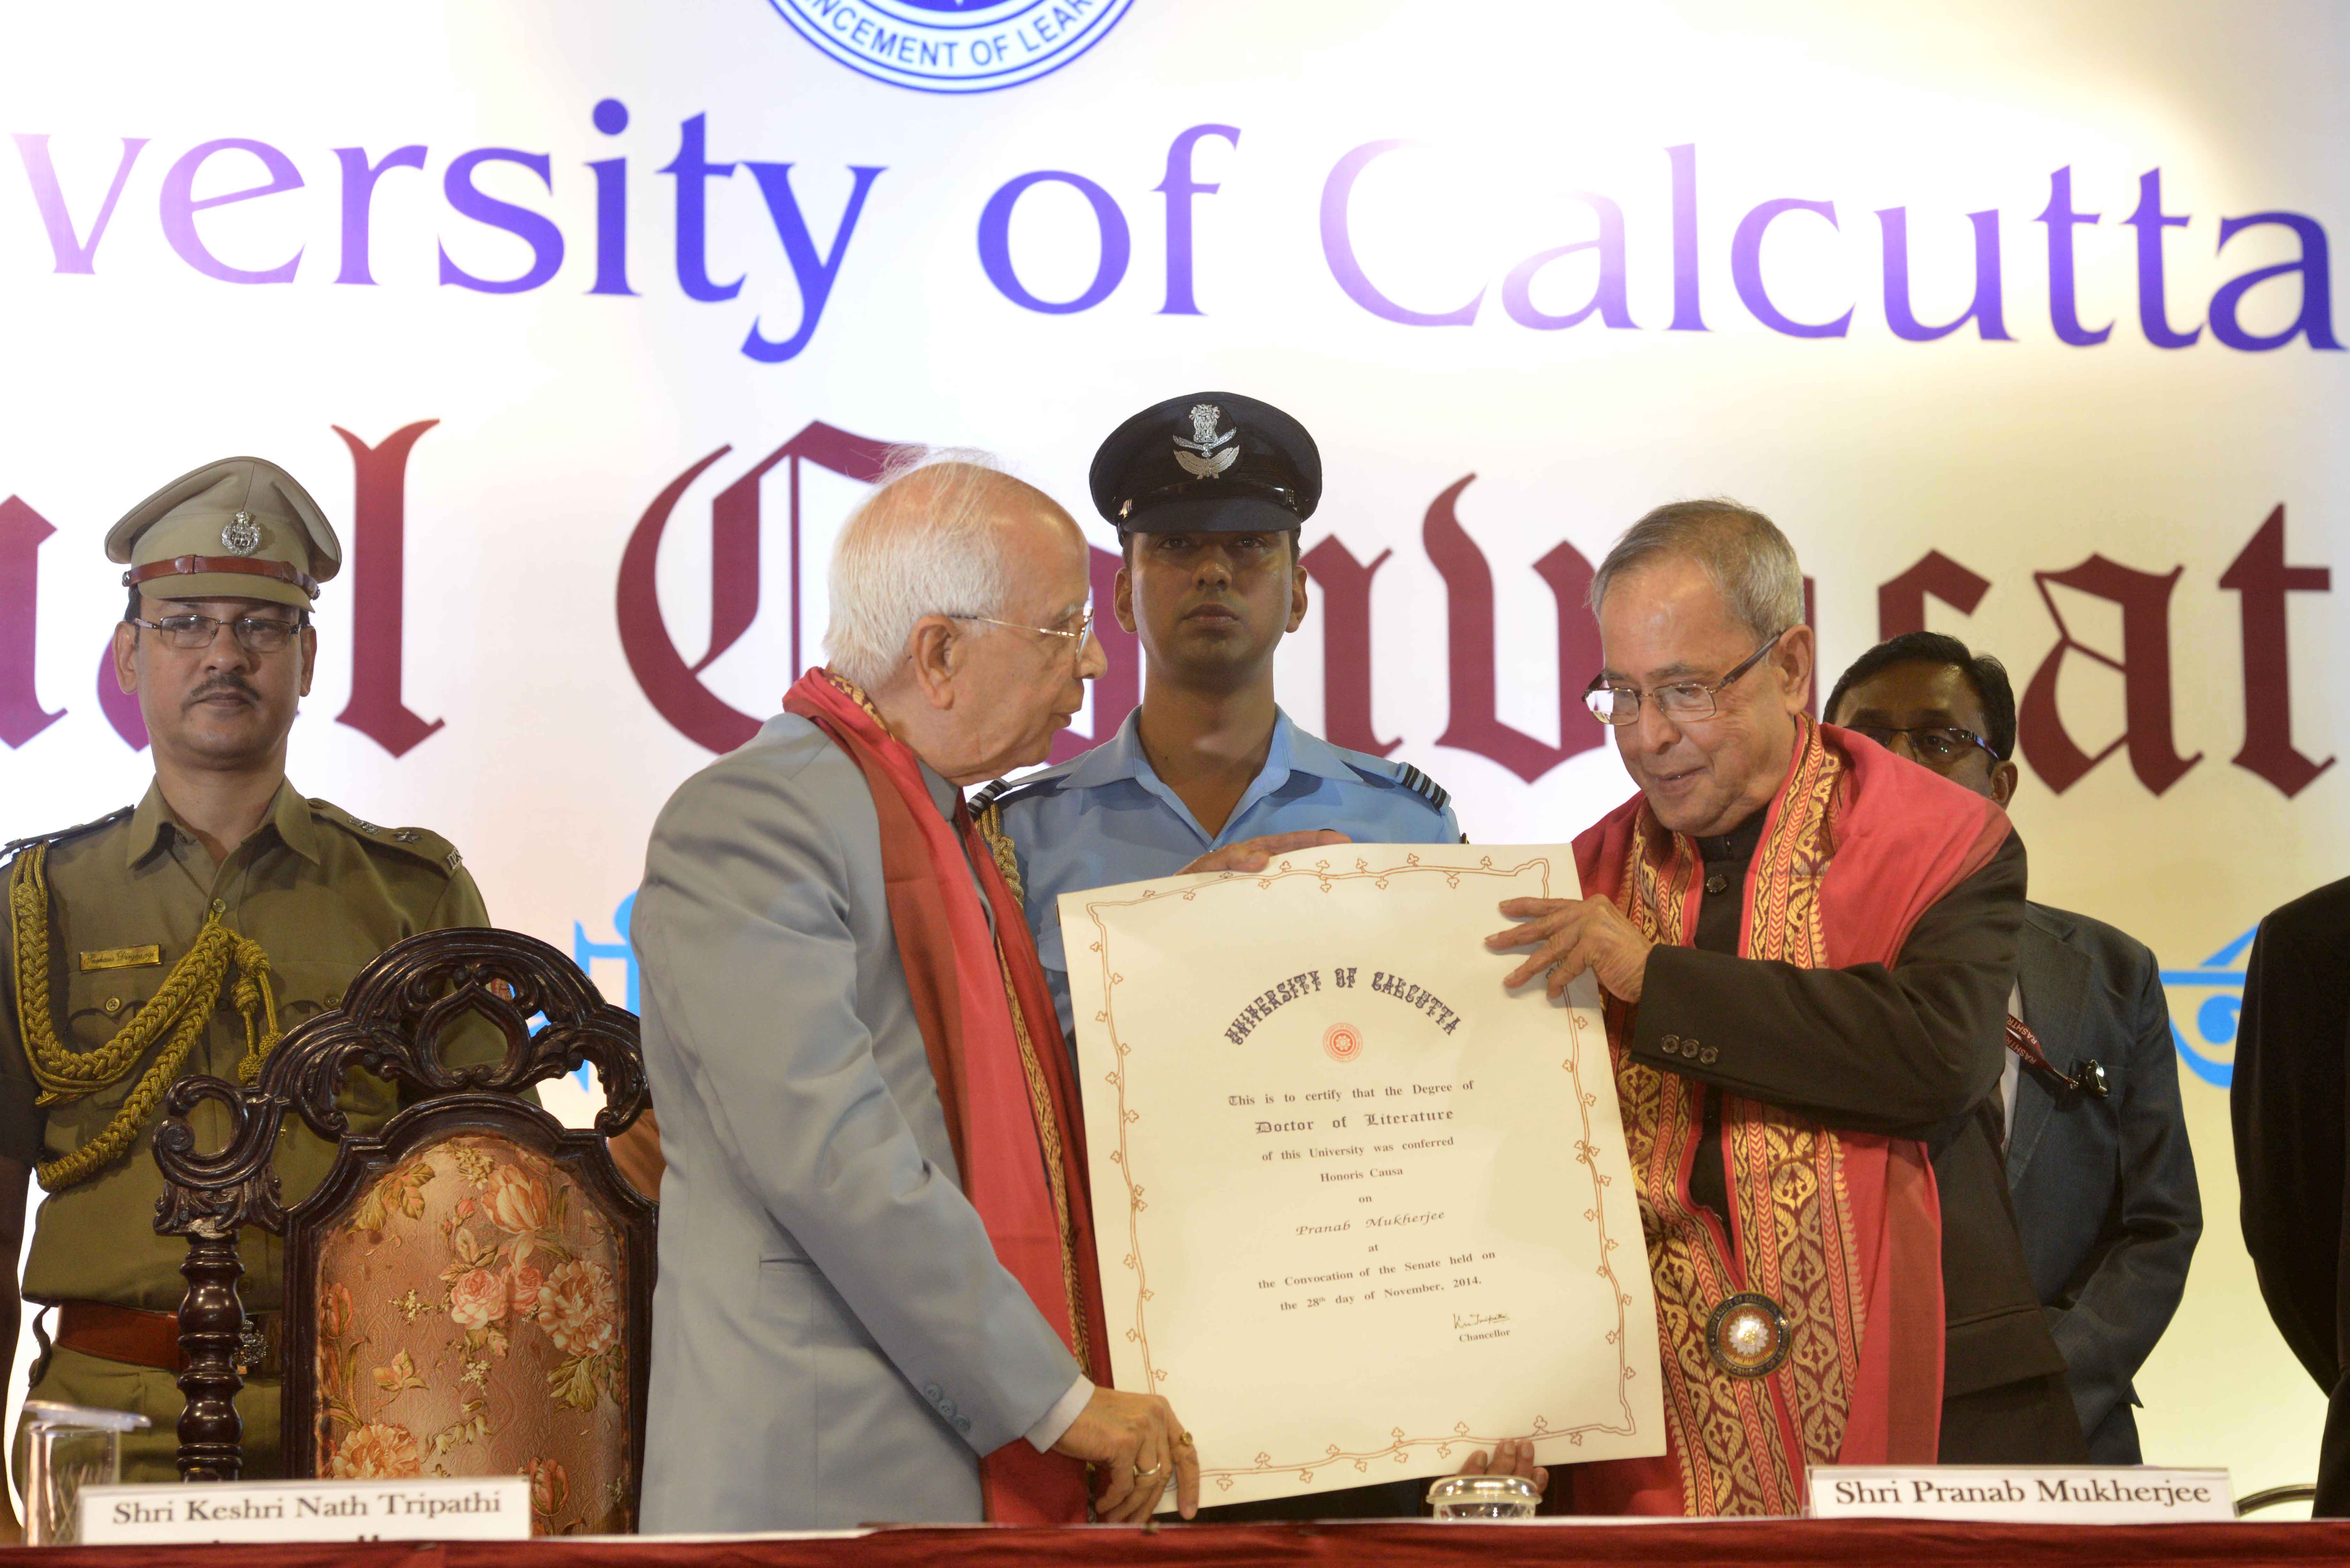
(470, 1309)
(468, 1290)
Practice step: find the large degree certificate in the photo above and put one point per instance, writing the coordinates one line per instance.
(1359, 1210)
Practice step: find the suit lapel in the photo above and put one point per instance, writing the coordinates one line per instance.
(2053, 977)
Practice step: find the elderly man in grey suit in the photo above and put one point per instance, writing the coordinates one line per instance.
(877, 1298)
(2098, 1159)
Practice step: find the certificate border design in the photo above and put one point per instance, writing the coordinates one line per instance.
(1586, 1153)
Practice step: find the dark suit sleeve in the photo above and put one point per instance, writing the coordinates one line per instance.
(2128, 1295)
(1902, 1049)
(2286, 1105)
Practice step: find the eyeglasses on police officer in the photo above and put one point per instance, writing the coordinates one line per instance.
(255, 634)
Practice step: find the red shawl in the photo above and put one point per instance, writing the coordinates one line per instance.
(994, 1043)
(1843, 1229)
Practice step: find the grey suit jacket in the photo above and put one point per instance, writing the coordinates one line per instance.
(2104, 1189)
(833, 1340)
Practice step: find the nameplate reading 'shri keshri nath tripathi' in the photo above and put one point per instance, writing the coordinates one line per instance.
(434, 1507)
(1359, 1210)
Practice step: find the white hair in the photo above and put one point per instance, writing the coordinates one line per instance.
(923, 542)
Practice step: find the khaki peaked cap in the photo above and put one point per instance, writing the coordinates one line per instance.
(241, 527)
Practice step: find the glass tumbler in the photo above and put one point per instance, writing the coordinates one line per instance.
(68, 1446)
(1463, 1498)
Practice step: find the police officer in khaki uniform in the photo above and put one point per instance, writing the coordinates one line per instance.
(184, 935)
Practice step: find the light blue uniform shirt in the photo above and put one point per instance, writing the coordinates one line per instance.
(1105, 818)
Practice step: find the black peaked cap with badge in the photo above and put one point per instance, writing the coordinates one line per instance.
(1212, 463)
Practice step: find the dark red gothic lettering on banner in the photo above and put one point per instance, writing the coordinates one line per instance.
(22, 529)
(1901, 601)
(2144, 666)
(1472, 724)
(2261, 576)
(675, 688)
(380, 592)
(1345, 585)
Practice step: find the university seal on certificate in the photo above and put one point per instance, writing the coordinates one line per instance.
(1359, 1208)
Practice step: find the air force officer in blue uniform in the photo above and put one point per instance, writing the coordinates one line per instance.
(1209, 494)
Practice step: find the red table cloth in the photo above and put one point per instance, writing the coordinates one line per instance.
(1774, 1544)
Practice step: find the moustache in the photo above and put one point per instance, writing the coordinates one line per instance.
(214, 688)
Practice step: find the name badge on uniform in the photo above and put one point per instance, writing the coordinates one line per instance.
(122, 958)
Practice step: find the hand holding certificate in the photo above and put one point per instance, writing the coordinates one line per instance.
(1360, 1209)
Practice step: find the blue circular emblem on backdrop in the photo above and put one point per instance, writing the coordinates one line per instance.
(952, 46)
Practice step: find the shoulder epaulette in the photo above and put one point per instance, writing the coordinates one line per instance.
(421, 842)
(1403, 775)
(987, 816)
(990, 796)
(1427, 788)
(59, 835)
(1004, 792)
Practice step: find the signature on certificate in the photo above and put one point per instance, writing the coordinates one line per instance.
(1478, 1319)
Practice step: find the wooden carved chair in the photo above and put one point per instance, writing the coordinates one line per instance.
(469, 1289)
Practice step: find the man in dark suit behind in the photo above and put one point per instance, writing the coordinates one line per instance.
(2096, 1153)
(2287, 1104)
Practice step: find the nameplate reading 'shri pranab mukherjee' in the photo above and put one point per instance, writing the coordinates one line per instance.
(1360, 1209)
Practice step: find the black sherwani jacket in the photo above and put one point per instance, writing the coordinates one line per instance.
(1913, 1049)
(2290, 1112)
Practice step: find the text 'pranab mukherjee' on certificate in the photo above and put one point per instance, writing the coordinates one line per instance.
(1360, 1210)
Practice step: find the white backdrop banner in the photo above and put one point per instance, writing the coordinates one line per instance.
(588, 323)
